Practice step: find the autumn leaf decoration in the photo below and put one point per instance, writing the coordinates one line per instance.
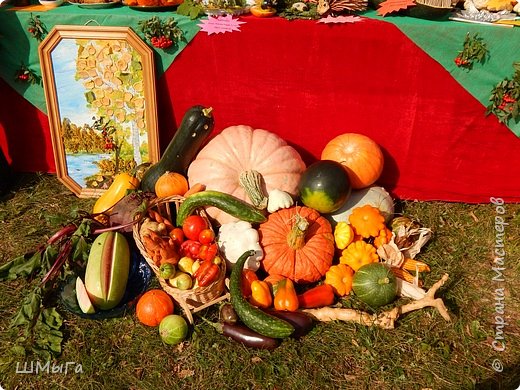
(36, 28)
(505, 98)
(27, 75)
(162, 34)
(474, 49)
(390, 6)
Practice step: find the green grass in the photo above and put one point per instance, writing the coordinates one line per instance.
(422, 352)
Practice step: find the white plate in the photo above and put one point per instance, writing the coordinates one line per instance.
(95, 5)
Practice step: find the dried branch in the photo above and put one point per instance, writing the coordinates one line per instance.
(386, 319)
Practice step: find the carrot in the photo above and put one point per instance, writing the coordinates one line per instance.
(150, 245)
(154, 215)
(197, 187)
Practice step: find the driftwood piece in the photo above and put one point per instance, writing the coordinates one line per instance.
(386, 319)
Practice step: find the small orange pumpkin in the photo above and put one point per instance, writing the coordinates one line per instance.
(171, 183)
(298, 244)
(359, 154)
(153, 306)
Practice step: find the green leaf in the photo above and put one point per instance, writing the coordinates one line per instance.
(29, 310)
(22, 266)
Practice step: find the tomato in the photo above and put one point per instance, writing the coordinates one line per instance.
(206, 236)
(193, 225)
(190, 248)
(177, 235)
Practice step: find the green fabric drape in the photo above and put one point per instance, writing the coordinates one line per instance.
(18, 47)
(443, 39)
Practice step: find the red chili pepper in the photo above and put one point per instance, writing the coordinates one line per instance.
(248, 276)
(319, 296)
(202, 269)
(207, 252)
(207, 272)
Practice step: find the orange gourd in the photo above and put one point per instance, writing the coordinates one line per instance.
(367, 221)
(153, 306)
(359, 154)
(339, 277)
(384, 237)
(298, 244)
(171, 183)
(358, 254)
(248, 164)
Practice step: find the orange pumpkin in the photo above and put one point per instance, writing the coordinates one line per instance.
(153, 306)
(359, 154)
(171, 183)
(298, 243)
(247, 163)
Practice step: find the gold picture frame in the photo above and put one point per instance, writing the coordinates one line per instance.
(99, 85)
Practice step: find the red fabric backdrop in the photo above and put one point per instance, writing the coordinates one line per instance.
(309, 82)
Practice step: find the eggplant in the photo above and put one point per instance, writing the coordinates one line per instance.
(248, 337)
(302, 322)
(227, 314)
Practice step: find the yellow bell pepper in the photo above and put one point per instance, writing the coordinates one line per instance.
(117, 190)
(261, 294)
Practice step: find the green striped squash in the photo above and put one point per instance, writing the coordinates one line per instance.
(374, 284)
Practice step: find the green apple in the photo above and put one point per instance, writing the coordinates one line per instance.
(181, 280)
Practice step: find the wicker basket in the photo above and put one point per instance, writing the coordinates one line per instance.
(191, 300)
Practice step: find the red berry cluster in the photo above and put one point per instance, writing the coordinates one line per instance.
(161, 42)
(507, 103)
(23, 77)
(461, 62)
(109, 142)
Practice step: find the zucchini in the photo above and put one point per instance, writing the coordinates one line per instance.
(226, 202)
(195, 127)
(254, 318)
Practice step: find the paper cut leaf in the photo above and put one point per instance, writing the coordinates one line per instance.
(340, 19)
(389, 6)
(220, 24)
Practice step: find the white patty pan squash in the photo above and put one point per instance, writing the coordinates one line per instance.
(374, 196)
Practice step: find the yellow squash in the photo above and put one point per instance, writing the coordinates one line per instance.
(117, 190)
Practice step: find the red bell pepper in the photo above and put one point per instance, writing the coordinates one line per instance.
(319, 296)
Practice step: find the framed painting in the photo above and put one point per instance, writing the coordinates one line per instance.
(99, 87)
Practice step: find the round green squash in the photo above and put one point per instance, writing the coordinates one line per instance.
(324, 186)
(375, 284)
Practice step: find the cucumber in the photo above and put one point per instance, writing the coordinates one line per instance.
(254, 318)
(226, 202)
(195, 127)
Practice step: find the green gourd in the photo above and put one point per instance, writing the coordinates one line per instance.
(254, 318)
(195, 127)
(375, 284)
